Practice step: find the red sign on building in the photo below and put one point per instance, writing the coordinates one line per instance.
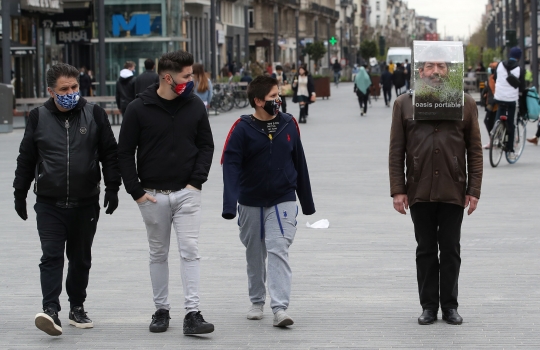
(431, 37)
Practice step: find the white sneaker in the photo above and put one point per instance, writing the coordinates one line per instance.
(512, 156)
(281, 319)
(487, 145)
(255, 312)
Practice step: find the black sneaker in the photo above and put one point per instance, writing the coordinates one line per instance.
(78, 318)
(49, 322)
(194, 323)
(160, 321)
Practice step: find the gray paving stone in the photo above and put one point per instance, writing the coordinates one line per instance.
(354, 284)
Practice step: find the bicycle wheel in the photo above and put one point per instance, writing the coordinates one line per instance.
(216, 102)
(496, 148)
(227, 103)
(520, 136)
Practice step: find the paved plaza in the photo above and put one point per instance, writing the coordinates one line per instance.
(354, 284)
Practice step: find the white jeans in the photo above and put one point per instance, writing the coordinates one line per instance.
(182, 210)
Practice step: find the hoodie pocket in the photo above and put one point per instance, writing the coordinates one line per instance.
(416, 169)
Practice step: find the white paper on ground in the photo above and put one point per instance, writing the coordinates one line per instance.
(319, 224)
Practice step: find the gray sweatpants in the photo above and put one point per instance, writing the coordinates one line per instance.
(182, 209)
(268, 231)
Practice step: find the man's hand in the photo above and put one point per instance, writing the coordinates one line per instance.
(145, 198)
(20, 208)
(111, 202)
(401, 203)
(189, 187)
(472, 203)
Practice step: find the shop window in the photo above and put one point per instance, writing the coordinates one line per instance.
(251, 18)
(24, 28)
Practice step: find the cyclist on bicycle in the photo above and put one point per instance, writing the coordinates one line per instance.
(509, 82)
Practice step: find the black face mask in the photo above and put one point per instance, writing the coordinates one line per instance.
(272, 107)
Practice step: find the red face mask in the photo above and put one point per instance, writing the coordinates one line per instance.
(182, 89)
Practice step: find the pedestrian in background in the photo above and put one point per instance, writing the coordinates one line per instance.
(246, 78)
(391, 67)
(362, 83)
(336, 67)
(386, 82)
(407, 72)
(203, 85)
(147, 78)
(398, 79)
(436, 167)
(125, 87)
(304, 91)
(167, 128)
(92, 81)
(488, 96)
(263, 166)
(63, 144)
(282, 79)
(85, 82)
(355, 71)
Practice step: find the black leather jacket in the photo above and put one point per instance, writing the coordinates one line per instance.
(61, 153)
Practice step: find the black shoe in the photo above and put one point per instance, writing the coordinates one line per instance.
(160, 321)
(49, 322)
(427, 317)
(78, 318)
(451, 316)
(194, 323)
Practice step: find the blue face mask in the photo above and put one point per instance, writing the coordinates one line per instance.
(68, 101)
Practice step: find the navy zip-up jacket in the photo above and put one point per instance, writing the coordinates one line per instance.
(262, 172)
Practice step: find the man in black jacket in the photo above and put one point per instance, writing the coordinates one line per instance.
(167, 126)
(125, 87)
(149, 77)
(64, 141)
(386, 82)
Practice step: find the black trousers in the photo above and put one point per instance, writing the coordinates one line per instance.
(362, 100)
(387, 95)
(489, 120)
(72, 229)
(437, 227)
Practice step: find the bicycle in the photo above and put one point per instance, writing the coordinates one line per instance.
(499, 138)
(222, 100)
(240, 97)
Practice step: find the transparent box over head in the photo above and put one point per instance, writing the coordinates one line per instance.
(438, 80)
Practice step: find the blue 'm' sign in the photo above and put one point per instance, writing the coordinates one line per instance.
(138, 24)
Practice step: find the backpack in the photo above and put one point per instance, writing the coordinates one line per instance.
(533, 104)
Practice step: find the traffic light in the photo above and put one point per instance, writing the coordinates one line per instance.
(511, 39)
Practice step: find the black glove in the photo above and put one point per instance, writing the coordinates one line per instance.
(20, 208)
(111, 202)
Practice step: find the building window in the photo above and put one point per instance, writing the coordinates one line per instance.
(251, 18)
(378, 6)
(378, 22)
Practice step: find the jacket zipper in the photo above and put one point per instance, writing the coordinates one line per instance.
(271, 146)
(67, 136)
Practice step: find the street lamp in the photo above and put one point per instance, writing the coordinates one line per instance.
(340, 39)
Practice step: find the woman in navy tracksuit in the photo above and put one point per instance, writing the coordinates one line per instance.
(263, 166)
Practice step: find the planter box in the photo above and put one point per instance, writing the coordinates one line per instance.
(375, 89)
(322, 86)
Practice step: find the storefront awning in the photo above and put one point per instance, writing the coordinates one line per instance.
(23, 50)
